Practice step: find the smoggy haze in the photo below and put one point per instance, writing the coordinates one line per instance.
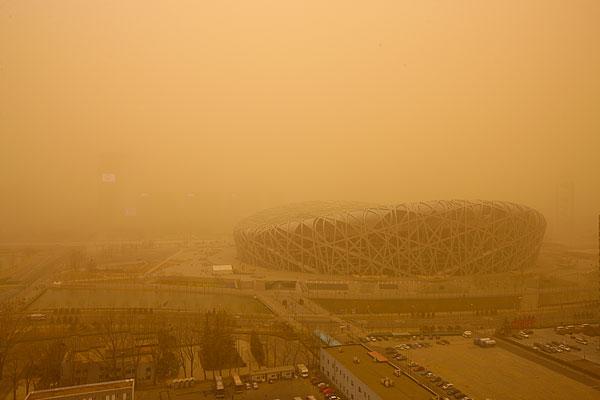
(250, 104)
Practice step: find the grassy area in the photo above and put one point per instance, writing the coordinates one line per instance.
(145, 298)
(391, 306)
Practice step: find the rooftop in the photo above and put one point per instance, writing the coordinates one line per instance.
(80, 390)
(370, 372)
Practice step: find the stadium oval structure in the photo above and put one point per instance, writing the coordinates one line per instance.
(424, 239)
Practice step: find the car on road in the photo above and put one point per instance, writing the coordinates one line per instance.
(248, 386)
(254, 385)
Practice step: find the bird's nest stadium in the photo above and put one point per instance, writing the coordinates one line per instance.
(425, 239)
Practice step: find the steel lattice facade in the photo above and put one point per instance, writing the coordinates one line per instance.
(426, 239)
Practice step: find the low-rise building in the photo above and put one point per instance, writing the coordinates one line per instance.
(115, 390)
(95, 365)
(362, 374)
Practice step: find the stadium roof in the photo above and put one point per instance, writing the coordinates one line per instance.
(429, 238)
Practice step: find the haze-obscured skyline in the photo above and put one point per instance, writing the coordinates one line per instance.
(218, 109)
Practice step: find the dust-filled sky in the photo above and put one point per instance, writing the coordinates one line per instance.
(206, 111)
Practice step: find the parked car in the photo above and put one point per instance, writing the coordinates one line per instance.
(327, 391)
(581, 340)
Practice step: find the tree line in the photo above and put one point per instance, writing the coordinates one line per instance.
(37, 361)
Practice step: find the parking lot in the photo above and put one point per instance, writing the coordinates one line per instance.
(577, 351)
(492, 373)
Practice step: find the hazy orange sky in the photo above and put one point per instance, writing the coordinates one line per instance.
(250, 104)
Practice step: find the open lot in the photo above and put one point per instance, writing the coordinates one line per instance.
(497, 374)
(145, 298)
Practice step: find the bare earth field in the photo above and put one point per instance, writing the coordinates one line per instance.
(145, 298)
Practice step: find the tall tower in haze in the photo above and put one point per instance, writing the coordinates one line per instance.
(109, 183)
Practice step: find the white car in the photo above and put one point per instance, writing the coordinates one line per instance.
(254, 385)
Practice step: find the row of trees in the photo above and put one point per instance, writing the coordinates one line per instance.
(119, 340)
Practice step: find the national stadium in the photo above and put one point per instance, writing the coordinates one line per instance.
(430, 239)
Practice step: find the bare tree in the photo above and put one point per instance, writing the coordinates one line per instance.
(13, 366)
(31, 370)
(114, 340)
(188, 337)
(51, 354)
(10, 326)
